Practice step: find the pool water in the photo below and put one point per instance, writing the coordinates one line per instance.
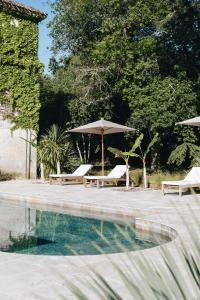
(36, 232)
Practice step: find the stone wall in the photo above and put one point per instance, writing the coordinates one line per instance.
(16, 155)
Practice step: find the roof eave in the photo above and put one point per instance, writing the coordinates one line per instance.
(22, 10)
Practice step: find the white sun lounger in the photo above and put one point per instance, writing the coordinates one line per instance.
(192, 180)
(77, 175)
(114, 176)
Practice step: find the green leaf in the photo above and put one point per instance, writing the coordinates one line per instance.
(137, 143)
(117, 153)
(153, 141)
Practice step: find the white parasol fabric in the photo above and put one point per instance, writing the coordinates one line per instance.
(102, 126)
(193, 122)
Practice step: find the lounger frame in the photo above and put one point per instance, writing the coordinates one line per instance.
(101, 181)
(180, 187)
(62, 179)
(76, 177)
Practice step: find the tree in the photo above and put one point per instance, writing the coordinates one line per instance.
(135, 61)
(54, 104)
(156, 106)
(184, 151)
(179, 42)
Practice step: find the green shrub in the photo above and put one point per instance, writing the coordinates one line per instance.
(155, 179)
(136, 176)
(4, 176)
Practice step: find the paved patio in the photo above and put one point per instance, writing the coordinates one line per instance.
(44, 277)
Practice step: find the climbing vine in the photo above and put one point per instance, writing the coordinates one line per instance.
(20, 70)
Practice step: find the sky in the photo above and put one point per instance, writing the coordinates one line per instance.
(44, 39)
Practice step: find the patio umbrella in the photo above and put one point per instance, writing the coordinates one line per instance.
(194, 122)
(102, 127)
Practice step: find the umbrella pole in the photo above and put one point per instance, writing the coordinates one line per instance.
(102, 153)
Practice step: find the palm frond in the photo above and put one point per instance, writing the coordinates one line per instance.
(117, 152)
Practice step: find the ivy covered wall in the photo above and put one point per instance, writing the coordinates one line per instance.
(19, 70)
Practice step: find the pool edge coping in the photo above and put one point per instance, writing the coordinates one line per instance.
(167, 233)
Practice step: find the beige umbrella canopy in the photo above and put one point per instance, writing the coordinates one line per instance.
(102, 127)
(194, 122)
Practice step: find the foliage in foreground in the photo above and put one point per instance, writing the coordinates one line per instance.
(175, 276)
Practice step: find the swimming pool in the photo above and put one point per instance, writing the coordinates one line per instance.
(36, 231)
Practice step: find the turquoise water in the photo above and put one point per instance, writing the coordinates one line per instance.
(31, 231)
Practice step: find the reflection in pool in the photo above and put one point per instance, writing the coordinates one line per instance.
(32, 231)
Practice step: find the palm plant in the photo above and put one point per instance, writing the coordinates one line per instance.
(52, 144)
(143, 157)
(126, 156)
(52, 149)
(132, 153)
(69, 158)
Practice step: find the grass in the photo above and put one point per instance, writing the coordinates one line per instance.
(154, 180)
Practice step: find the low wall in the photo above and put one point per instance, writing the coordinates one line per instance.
(16, 155)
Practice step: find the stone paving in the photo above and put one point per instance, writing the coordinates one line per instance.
(28, 277)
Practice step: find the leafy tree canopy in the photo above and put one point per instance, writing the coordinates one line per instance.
(135, 62)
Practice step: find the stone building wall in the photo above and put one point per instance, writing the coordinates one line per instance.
(20, 72)
(16, 154)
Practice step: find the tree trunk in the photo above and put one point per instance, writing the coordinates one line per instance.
(154, 161)
(84, 149)
(127, 176)
(89, 148)
(144, 174)
(79, 151)
(58, 167)
(42, 178)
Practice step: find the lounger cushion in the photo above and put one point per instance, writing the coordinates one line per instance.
(82, 170)
(116, 173)
(180, 182)
(79, 172)
(192, 178)
(100, 177)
